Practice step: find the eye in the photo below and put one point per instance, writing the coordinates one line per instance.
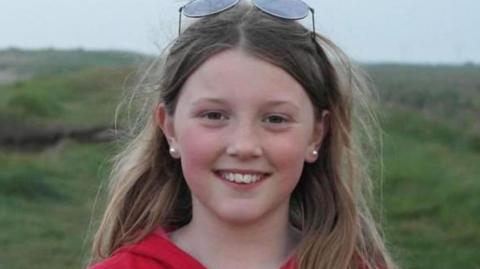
(276, 119)
(214, 115)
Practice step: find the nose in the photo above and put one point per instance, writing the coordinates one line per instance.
(244, 143)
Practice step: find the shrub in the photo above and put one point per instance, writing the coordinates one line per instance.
(27, 183)
(31, 105)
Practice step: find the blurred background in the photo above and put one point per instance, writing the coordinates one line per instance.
(64, 65)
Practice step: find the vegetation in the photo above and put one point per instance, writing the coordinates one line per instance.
(441, 93)
(430, 193)
(27, 63)
(87, 96)
(431, 156)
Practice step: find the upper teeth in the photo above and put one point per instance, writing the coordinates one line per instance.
(241, 178)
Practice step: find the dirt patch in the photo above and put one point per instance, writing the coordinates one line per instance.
(29, 137)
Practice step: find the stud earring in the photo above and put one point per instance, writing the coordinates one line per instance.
(174, 153)
(312, 157)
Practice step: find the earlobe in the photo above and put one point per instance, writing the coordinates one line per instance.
(312, 156)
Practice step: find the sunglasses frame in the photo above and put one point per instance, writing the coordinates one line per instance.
(312, 11)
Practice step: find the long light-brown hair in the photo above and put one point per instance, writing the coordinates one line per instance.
(329, 205)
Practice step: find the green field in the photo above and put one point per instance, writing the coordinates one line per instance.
(430, 116)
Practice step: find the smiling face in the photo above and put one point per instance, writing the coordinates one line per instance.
(243, 129)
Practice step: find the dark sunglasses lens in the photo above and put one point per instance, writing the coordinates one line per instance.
(201, 8)
(287, 9)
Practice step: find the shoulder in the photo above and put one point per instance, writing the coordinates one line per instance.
(129, 260)
(155, 251)
(148, 253)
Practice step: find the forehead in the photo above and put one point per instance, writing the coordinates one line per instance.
(236, 75)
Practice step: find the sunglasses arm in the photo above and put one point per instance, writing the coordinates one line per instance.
(313, 22)
(180, 19)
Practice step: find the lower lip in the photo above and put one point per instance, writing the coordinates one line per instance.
(241, 186)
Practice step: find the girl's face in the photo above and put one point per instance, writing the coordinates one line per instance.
(242, 119)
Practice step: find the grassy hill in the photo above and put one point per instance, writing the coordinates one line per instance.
(441, 93)
(18, 64)
(431, 119)
(431, 171)
(79, 89)
(431, 191)
(86, 96)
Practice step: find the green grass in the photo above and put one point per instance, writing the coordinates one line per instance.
(446, 93)
(431, 194)
(49, 229)
(44, 62)
(78, 98)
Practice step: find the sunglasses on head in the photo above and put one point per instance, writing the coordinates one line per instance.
(284, 9)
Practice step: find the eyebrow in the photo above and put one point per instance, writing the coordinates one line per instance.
(267, 103)
(209, 100)
(283, 103)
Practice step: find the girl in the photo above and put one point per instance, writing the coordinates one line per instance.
(251, 154)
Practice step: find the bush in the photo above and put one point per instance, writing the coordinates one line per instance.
(31, 105)
(28, 183)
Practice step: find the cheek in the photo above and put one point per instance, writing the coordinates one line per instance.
(198, 149)
(288, 153)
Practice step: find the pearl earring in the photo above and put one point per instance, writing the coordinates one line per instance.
(174, 153)
(315, 153)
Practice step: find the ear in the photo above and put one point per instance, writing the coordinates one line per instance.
(320, 130)
(165, 122)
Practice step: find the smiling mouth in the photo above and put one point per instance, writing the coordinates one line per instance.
(241, 178)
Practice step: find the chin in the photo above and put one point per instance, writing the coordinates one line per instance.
(241, 221)
(240, 216)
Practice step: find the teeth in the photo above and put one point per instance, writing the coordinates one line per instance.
(241, 178)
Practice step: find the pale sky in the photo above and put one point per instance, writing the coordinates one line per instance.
(413, 31)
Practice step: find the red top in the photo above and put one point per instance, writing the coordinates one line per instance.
(156, 251)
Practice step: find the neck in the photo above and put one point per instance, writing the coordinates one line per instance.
(267, 243)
